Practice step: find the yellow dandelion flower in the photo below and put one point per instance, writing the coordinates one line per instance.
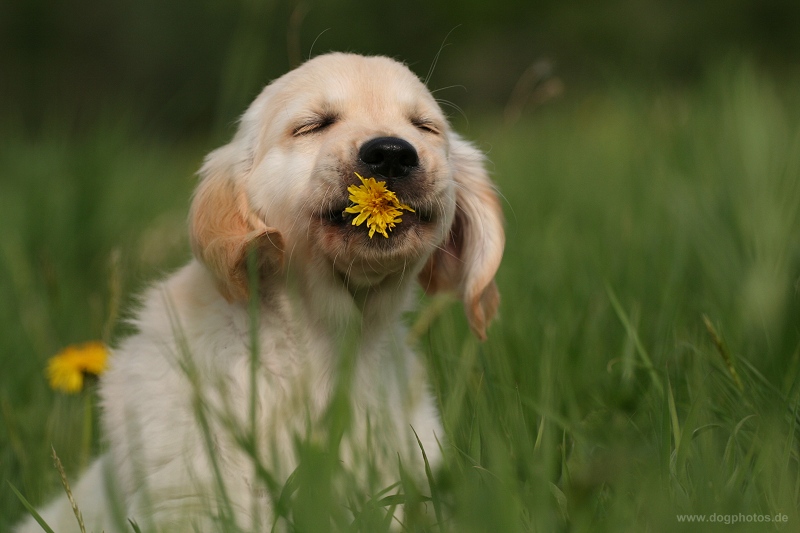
(376, 205)
(66, 370)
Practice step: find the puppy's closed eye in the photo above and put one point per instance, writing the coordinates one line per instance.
(315, 124)
(426, 125)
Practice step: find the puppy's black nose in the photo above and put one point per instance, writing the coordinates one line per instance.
(389, 157)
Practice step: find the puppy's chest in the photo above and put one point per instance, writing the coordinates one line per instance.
(301, 382)
(304, 386)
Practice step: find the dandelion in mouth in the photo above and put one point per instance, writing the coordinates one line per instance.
(376, 205)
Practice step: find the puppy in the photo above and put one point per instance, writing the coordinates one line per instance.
(251, 341)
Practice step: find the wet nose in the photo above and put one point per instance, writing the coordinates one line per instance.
(390, 157)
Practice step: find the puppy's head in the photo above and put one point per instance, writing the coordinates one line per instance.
(279, 189)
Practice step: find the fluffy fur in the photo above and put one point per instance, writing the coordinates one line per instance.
(268, 211)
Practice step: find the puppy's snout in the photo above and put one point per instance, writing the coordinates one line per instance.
(390, 157)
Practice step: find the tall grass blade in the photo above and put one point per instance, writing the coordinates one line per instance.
(673, 416)
(435, 496)
(254, 302)
(31, 509)
(561, 500)
(67, 489)
(634, 335)
(727, 455)
(438, 305)
(723, 351)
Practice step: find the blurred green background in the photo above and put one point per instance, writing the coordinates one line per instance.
(649, 157)
(184, 66)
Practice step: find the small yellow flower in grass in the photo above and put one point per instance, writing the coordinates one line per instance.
(376, 205)
(66, 369)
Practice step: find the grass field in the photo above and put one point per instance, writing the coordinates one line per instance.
(645, 365)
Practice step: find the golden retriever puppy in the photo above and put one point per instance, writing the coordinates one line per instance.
(288, 305)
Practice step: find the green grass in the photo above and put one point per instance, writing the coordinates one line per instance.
(603, 401)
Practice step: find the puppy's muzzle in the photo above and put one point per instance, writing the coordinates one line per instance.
(389, 157)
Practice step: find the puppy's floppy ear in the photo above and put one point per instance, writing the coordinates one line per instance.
(467, 260)
(224, 230)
